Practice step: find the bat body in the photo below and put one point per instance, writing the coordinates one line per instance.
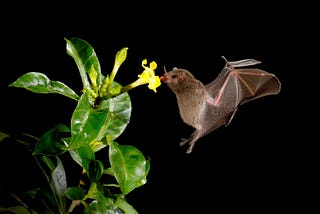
(207, 107)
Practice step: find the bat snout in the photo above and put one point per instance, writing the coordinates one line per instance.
(162, 78)
(165, 77)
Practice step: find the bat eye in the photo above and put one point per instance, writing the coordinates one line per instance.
(174, 76)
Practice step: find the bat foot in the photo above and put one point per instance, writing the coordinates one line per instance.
(187, 140)
(189, 150)
(184, 141)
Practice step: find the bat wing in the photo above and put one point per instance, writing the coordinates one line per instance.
(232, 88)
(242, 85)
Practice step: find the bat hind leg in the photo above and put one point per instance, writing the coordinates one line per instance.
(191, 140)
(191, 145)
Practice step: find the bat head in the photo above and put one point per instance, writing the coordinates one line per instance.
(176, 78)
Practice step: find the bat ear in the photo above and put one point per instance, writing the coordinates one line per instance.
(175, 68)
(164, 69)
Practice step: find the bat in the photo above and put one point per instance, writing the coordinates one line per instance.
(207, 107)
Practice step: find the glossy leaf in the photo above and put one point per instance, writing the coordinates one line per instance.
(53, 142)
(128, 165)
(101, 203)
(104, 205)
(89, 124)
(86, 122)
(85, 57)
(125, 206)
(119, 116)
(95, 170)
(75, 193)
(40, 83)
(83, 156)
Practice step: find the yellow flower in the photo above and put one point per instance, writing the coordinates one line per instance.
(147, 76)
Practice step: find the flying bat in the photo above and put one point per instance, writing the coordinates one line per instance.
(207, 107)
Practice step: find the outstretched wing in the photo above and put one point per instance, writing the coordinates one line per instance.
(232, 88)
(242, 85)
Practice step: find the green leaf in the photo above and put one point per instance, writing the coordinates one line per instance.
(108, 88)
(75, 193)
(86, 122)
(49, 163)
(59, 184)
(129, 166)
(85, 57)
(103, 205)
(103, 201)
(119, 116)
(125, 206)
(83, 156)
(93, 191)
(110, 119)
(40, 83)
(119, 59)
(95, 170)
(53, 142)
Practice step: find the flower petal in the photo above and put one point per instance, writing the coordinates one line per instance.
(153, 65)
(144, 62)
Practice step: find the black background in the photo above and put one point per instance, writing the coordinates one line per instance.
(256, 164)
